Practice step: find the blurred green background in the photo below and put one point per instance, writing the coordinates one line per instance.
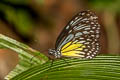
(37, 23)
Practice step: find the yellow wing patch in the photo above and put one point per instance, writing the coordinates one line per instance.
(66, 45)
(72, 53)
(73, 49)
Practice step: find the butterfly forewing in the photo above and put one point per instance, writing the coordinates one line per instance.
(80, 38)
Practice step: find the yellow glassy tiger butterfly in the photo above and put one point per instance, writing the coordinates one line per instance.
(79, 38)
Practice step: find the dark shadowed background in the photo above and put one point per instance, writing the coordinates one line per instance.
(37, 23)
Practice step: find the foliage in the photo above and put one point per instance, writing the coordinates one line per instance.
(99, 68)
(21, 16)
(112, 5)
(25, 55)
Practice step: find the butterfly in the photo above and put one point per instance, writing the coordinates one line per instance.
(79, 38)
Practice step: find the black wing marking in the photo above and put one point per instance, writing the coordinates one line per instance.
(83, 28)
(67, 28)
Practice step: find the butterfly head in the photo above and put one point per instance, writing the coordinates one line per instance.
(54, 53)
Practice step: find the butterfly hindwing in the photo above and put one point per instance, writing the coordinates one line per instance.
(80, 38)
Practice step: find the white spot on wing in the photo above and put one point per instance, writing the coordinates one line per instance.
(70, 31)
(98, 28)
(87, 43)
(85, 32)
(67, 27)
(76, 21)
(97, 36)
(89, 57)
(87, 21)
(81, 38)
(89, 40)
(95, 17)
(85, 49)
(97, 31)
(78, 34)
(93, 35)
(97, 44)
(92, 22)
(82, 41)
(92, 55)
(75, 41)
(87, 28)
(84, 19)
(93, 27)
(88, 53)
(82, 53)
(76, 18)
(93, 48)
(91, 31)
(88, 14)
(71, 22)
(83, 13)
(79, 27)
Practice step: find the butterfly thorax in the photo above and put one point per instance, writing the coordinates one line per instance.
(54, 53)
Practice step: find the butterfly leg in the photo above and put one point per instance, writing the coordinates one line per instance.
(32, 59)
(65, 61)
(52, 62)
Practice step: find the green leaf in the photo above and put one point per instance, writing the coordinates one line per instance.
(25, 55)
(99, 68)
